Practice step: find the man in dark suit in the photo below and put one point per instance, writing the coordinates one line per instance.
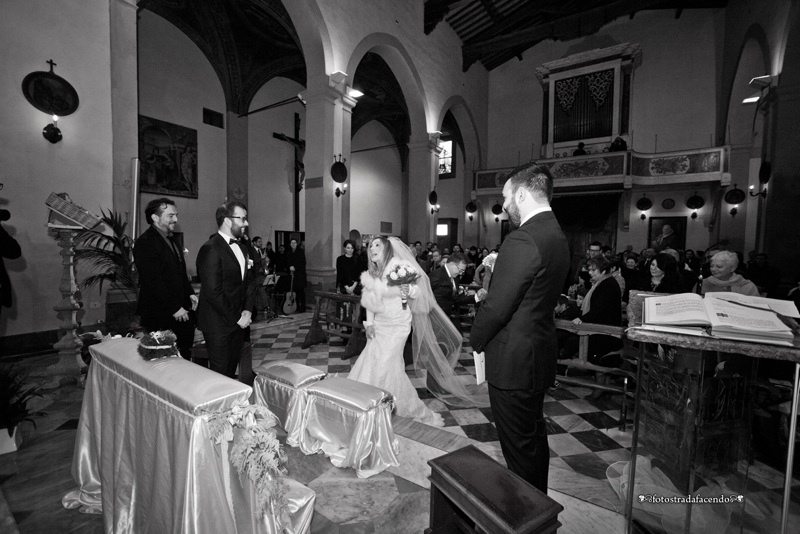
(166, 298)
(226, 294)
(445, 286)
(296, 262)
(514, 324)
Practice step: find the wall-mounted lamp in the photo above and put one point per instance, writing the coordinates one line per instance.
(497, 209)
(694, 203)
(339, 175)
(734, 197)
(644, 204)
(433, 200)
(51, 131)
(471, 209)
(52, 94)
(762, 193)
(354, 93)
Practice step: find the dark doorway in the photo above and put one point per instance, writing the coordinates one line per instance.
(587, 218)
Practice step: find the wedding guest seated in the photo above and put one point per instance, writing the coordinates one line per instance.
(664, 276)
(724, 278)
(602, 305)
(568, 342)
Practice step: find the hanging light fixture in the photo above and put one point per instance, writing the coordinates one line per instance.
(339, 175)
(735, 197)
(694, 203)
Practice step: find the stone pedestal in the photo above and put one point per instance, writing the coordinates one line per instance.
(69, 345)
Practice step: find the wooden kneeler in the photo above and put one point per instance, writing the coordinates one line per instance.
(471, 493)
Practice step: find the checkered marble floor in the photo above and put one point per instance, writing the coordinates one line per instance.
(583, 435)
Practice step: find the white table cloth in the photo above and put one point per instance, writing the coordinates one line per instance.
(144, 454)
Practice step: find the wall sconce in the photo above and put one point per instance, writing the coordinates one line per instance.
(51, 131)
(52, 94)
(339, 175)
(471, 209)
(497, 209)
(644, 204)
(734, 197)
(694, 203)
(433, 200)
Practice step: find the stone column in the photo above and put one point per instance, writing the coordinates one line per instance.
(327, 218)
(124, 105)
(423, 164)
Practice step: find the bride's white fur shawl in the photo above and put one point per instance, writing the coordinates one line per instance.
(375, 290)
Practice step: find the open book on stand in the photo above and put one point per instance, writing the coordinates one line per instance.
(723, 315)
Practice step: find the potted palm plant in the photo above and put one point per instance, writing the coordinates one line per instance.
(109, 259)
(15, 392)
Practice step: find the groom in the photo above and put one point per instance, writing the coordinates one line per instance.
(514, 325)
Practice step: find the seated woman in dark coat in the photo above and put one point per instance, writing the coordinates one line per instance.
(664, 276)
(602, 305)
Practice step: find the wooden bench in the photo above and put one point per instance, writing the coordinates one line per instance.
(584, 330)
(325, 322)
(470, 492)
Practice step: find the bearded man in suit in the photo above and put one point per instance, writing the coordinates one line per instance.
(166, 298)
(226, 292)
(514, 325)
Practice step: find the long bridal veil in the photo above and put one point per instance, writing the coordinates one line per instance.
(437, 344)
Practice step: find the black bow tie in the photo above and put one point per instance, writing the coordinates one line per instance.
(231, 241)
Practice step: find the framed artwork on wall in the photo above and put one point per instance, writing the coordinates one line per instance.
(168, 155)
(667, 232)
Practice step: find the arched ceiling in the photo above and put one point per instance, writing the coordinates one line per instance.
(248, 42)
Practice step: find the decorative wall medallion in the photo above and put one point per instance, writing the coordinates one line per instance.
(668, 204)
(50, 93)
(238, 193)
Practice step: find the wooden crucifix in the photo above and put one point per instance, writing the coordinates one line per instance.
(299, 168)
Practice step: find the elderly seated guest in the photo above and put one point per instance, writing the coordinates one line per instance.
(602, 305)
(724, 278)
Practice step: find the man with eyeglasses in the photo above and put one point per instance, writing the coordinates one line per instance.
(445, 286)
(226, 290)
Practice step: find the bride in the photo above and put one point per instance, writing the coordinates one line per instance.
(436, 343)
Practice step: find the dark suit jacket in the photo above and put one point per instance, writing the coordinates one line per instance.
(443, 292)
(223, 292)
(164, 287)
(514, 324)
(9, 248)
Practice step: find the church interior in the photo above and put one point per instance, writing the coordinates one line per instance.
(685, 113)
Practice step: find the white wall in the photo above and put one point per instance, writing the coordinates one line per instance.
(674, 90)
(271, 161)
(376, 190)
(176, 82)
(81, 164)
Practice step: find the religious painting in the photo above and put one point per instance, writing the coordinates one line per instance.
(168, 158)
(667, 232)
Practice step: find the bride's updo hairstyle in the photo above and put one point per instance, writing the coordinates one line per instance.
(376, 268)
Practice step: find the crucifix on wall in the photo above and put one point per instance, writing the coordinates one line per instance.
(299, 168)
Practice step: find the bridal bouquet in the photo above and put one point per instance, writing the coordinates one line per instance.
(402, 273)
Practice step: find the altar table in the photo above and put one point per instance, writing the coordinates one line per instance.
(144, 455)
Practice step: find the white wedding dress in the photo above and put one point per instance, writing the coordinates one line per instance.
(381, 362)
